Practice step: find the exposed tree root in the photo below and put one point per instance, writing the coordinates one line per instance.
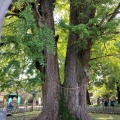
(48, 113)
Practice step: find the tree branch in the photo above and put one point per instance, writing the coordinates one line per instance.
(108, 15)
(104, 56)
(36, 13)
(114, 13)
(13, 14)
(111, 15)
(116, 33)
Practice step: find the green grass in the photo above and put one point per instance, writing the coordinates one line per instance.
(23, 116)
(95, 116)
(27, 113)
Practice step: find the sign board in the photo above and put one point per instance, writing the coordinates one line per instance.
(2, 115)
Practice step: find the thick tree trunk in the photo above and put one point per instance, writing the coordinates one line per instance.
(76, 81)
(76, 68)
(50, 91)
(77, 62)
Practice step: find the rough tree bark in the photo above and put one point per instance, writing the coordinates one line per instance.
(50, 91)
(77, 62)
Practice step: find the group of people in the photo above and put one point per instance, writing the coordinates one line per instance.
(107, 102)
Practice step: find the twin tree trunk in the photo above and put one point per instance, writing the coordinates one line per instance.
(77, 62)
(76, 68)
(50, 91)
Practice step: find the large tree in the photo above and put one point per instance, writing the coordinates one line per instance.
(89, 21)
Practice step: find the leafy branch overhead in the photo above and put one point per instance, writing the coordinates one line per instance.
(23, 42)
(103, 26)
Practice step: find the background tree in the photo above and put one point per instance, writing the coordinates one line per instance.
(105, 68)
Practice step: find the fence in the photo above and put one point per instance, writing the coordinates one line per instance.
(23, 109)
(104, 110)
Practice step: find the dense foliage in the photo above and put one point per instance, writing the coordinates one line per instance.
(23, 45)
